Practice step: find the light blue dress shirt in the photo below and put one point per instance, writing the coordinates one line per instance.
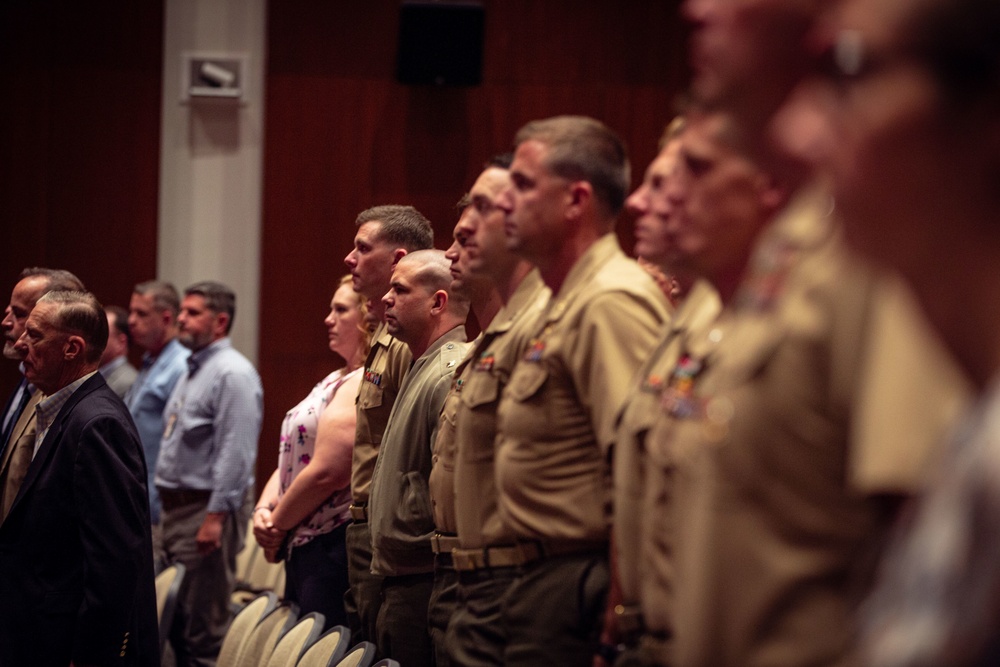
(211, 426)
(146, 400)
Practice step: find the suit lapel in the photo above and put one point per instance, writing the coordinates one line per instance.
(55, 432)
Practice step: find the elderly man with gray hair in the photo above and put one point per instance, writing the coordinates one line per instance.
(76, 586)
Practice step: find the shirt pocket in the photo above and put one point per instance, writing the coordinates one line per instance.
(483, 389)
(479, 417)
(527, 381)
(370, 396)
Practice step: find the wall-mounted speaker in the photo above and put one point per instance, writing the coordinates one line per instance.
(440, 43)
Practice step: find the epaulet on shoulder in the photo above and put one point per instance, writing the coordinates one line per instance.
(451, 355)
(624, 274)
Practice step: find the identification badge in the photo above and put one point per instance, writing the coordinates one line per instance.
(170, 426)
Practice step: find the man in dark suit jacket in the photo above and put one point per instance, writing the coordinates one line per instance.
(76, 571)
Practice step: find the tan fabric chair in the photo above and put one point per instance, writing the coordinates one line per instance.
(361, 655)
(168, 586)
(264, 637)
(259, 576)
(328, 650)
(246, 556)
(294, 642)
(241, 627)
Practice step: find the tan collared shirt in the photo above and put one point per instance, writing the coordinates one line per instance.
(387, 364)
(462, 481)
(641, 528)
(400, 514)
(772, 483)
(557, 414)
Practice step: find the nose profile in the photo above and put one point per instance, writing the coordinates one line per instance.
(636, 204)
(504, 201)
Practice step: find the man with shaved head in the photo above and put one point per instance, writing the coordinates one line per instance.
(422, 311)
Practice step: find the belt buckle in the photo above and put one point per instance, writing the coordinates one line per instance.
(465, 560)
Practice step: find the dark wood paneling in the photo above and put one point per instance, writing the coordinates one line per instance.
(79, 143)
(342, 135)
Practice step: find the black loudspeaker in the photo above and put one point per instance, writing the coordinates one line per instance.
(440, 43)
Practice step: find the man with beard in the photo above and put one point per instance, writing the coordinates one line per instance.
(205, 470)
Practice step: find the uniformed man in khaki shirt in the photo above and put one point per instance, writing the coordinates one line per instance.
(506, 295)
(385, 234)
(638, 604)
(556, 415)
(776, 491)
(485, 303)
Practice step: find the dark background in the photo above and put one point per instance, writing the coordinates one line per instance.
(80, 137)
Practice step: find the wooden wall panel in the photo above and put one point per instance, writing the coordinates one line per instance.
(342, 135)
(79, 143)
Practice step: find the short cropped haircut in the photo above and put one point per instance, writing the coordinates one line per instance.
(80, 313)
(501, 161)
(433, 270)
(463, 203)
(433, 273)
(584, 149)
(59, 279)
(119, 317)
(674, 129)
(401, 226)
(164, 295)
(218, 298)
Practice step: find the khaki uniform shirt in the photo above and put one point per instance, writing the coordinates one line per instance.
(387, 364)
(771, 475)
(474, 422)
(441, 483)
(400, 514)
(641, 529)
(557, 415)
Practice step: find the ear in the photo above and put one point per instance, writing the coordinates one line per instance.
(74, 348)
(398, 254)
(581, 196)
(440, 302)
(221, 323)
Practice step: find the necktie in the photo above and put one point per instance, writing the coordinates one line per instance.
(19, 458)
(15, 414)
